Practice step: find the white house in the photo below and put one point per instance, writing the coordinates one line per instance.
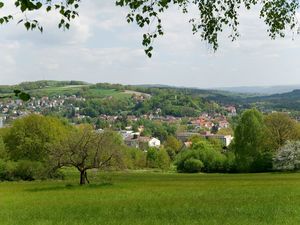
(154, 142)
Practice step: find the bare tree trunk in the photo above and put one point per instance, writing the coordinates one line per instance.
(82, 177)
(86, 178)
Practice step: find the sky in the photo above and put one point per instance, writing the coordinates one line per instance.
(102, 47)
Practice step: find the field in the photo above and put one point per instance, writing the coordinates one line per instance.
(83, 90)
(154, 198)
(75, 89)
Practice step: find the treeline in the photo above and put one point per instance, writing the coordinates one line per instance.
(259, 140)
(27, 86)
(36, 146)
(261, 144)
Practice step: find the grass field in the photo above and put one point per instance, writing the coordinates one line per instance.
(155, 198)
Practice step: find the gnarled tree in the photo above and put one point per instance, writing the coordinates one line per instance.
(87, 149)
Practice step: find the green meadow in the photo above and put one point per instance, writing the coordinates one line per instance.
(145, 198)
(75, 89)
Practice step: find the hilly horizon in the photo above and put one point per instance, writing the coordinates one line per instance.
(252, 90)
(266, 90)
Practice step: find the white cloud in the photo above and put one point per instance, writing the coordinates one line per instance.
(102, 47)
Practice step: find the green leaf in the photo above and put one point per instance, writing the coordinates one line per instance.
(27, 25)
(39, 5)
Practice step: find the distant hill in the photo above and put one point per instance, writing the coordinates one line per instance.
(288, 101)
(267, 98)
(262, 90)
(243, 97)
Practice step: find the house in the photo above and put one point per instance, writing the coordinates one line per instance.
(141, 142)
(131, 142)
(184, 136)
(225, 139)
(154, 142)
(231, 111)
(188, 144)
(223, 124)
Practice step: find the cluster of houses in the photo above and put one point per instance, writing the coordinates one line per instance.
(224, 139)
(11, 109)
(53, 102)
(134, 139)
(14, 108)
(207, 121)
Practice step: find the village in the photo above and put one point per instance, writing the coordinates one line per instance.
(206, 125)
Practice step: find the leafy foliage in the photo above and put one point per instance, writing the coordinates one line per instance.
(249, 141)
(288, 156)
(28, 137)
(172, 146)
(158, 158)
(213, 16)
(85, 149)
(66, 9)
(202, 156)
(192, 165)
(280, 128)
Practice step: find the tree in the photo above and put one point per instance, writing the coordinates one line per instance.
(163, 159)
(17, 93)
(202, 156)
(225, 131)
(157, 158)
(3, 152)
(213, 16)
(87, 149)
(172, 146)
(249, 141)
(280, 129)
(193, 165)
(288, 156)
(29, 136)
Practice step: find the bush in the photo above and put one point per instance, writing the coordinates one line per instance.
(230, 162)
(30, 170)
(158, 158)
(163, 159)
(134, 158)
(7, 170)
(192, 165)
(152, 157)
(24, 170)
(213, 160)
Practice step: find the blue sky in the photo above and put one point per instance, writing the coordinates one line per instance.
(102, 47)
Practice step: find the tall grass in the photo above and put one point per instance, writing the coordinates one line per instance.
(154, 198)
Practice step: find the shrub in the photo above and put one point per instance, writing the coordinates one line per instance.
(134, 158)
(230, 162)
(29, 170)
(163, 159)
(24, 170)
(158, 158)
(7, 170)
(213, 160)
(192, 165)
(152, 157)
